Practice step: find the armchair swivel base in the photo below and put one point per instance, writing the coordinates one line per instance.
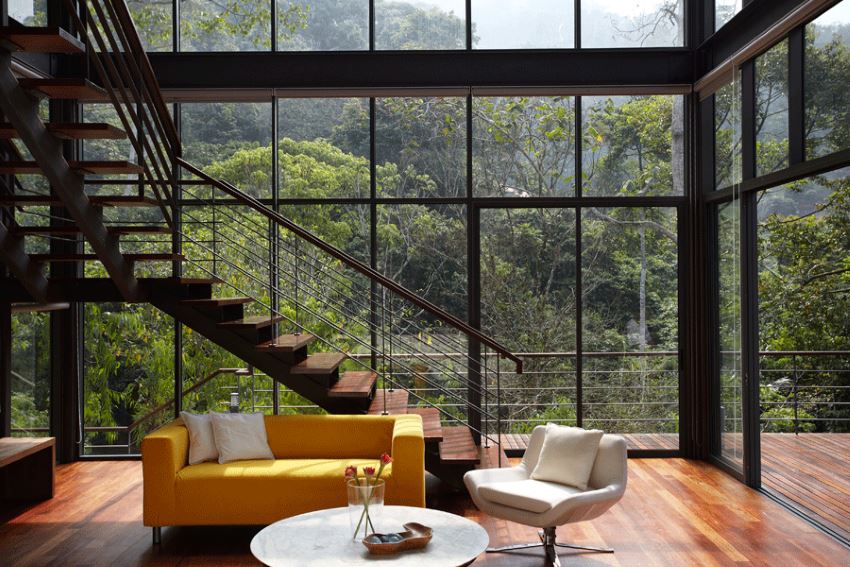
(549, 543)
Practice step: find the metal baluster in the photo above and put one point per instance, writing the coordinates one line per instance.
(796, 379)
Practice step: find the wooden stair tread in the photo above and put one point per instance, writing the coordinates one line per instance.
(354, 384)
(396, 402)
(319, 363)
(252, 322)
(69, 88)
(458, 447)
(51, 39)
(114, 229)
(153, 257)
(71, 131)
(218, 301)
(430, 423)
(97, 200)
(287, 343)
(119, 167)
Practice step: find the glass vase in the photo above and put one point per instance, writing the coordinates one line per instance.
(365, 505)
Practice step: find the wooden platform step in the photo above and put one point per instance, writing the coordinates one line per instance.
(354, 384)
(252, 322)
(318, 364)
(430, 423)
(114, 229)
(71, 131)
(287, 343)
(396, 402)
(218, 301)
(65, 89)
(90, 167)
(94, 257)
(40, 40)
(458, 447)
(97, 200)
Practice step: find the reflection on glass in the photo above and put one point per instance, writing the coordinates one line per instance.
(731, 389)
(229, 25)
(324, 148)
(528, 304)
(128, 374)
(421, 147)
(524, 147)
(420, 24)
(771, 119)
(725, 10)
(727, 135)
(638, 23)
(523, 24)
(630, 320)
(633, 145)
(230, 141)
(154, 23)
(827, 82)
(322, 25)
(30, 384)
(28, 12)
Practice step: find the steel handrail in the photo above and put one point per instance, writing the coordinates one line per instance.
(355, 264)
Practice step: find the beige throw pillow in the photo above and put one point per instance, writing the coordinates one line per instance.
(567, 455)
(240, 436)
(201, 439)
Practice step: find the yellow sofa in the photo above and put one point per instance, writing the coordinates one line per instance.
(311, 454)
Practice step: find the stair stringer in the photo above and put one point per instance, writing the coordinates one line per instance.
(239, 346)
(21, 111)
(27, 271)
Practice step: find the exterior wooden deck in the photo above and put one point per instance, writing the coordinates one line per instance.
(515, 443)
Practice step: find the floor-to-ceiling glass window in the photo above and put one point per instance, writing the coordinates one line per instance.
(31, 386)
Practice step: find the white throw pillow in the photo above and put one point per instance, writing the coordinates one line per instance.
(201, 439)
(567, 455)
(240, 436)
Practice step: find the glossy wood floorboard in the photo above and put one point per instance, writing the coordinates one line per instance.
(675, 512)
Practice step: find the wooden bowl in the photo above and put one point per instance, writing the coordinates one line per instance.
(416, 536)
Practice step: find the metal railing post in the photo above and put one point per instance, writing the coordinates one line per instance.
(796, 406)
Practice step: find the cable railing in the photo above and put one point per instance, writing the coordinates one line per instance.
(291, 273)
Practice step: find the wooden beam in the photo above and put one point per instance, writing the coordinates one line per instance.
(22, 111)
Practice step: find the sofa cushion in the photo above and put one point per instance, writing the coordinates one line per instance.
(330, 436)
(201, 438)
(259, 491)
(240, 436)
(532, 495)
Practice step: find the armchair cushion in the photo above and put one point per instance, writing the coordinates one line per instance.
(567, 455)
(531, 495)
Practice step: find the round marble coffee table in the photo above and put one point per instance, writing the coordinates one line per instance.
(324, 538)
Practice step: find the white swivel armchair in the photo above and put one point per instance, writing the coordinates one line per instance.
(511, 494)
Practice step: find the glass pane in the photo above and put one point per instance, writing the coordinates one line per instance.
(154, 22)
(324, 148)
(420, 24)
(731, 386)
(772, 109)
(528, 304)
(229, 25)
(230, 141)
(421, 147)
(524, 24)
(727, 136)
(128, 370)
(804, 332)
(524, 147)
(31, 374)
(827, 82)
(633, 145)
(631, 326)
(322, 25)
(724, 10)
(209, 379)
(28, 12)
(639, 23)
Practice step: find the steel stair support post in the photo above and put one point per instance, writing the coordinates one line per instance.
(22, 112)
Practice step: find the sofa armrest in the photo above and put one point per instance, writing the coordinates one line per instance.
(408, 453)
(164, 452)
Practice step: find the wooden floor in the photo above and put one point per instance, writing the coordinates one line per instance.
(675, 512)
(812, 471)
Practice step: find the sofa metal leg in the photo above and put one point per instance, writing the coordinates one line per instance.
(157, 536)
